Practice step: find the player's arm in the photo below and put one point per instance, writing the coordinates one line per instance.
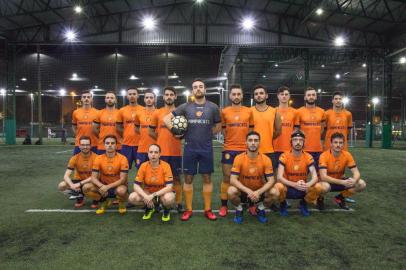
(152, 132)
(96, 129)
(120, 128)
(356, 175)
(95, 179)
(314, 179)
(277, 125)
(123, 179)
(139, 190)
(68, 180)
(270, 181)
(166, 189)
(168, 120)
(234, 182)
(282, 179)
(326, 178)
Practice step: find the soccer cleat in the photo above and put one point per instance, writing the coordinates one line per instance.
(115, 202)
(252, 210)
(186, 215)
(223, 211)
(340, 201)
(274, 207)
(238, 218)
(94, 204)
(350, 200)
(283, 209)
(320, 203)
(210, 215)
(122, 208)
(303, 208)
(261, 216)
(103, 207)
(179, 208)
(148, 213)
(166, 216)
(79, 202)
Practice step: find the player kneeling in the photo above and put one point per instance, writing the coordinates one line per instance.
(109, 178)
(153, 185)
(81, 164)
(293, 170)
(332, 167)
(247, 180)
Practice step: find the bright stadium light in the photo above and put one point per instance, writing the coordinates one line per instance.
(323, 66)
(123, 92)
(62, 92)
(346, 100)
(74, 75)
(24, 79)
(264, 76)
(78, 9)
(364, 65)
(248, 23)
(375, 101)
(3, 91)
(70, 35)
(199, 1)
(133, 77)
(276, 65)
(72, 93)
(156, 91)
(338, 76)
(339, 41)
(225, 74)
(319, 11)
(186, 93)
(402, 60)
(148, 22)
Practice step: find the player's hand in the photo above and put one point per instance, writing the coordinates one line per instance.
(349, 182)
(180, 137)
(255, 196)
(75, 187)
(301, 185)
(176, 131)
(104, 190)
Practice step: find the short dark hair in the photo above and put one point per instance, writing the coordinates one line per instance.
(297, 133)
(283, 88)
(233, 86)
(259, 86)
(86, 92)
(111, 92)
(252, 133)
(199, 80)
(154, 144)
(337, 93)
(149, 91)
(132, 88)
(337, 135)
(110, 136)
(170, 88)
(309, 89)
(85, 138)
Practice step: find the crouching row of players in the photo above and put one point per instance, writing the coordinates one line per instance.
(252, 178)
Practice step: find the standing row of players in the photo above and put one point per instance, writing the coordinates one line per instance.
(142, 133)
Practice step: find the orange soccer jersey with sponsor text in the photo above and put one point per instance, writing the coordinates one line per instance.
(336, 165)
(236, 123)
(83, 120)
(311, 121)
(107, 120)
(296, 167)
(143, 121)
(337, 122)
(252, 171)
(264, 122)
(153, 179)
(81, 165)
(126, 117)
(170, 145)
(109, 169)
(289, 121)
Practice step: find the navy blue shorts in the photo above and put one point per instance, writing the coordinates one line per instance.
(244, 198)
(316, 156)
(130, 152)
(338, 188)
(76, 150)
(175, 163)
(275, 162)
(193, 159)
(227, 156)
(141, 158)
(294, 193)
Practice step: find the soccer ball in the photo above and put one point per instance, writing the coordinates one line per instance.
(180, 123)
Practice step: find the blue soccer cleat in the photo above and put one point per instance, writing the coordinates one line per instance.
(238, 217)
(283, 209)
(261, 216)
(303, 208)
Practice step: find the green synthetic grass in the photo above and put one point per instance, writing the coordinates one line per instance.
(372, 237)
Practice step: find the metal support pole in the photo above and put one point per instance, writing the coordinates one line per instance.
(387, 102)
(369, 126)
(10, 117)
(307, 67)
(116, 72)
(39, 95)
(166, 65)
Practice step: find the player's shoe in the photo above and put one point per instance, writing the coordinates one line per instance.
(238, 218)
(79, 202)
(186, 215)
(340, 201)
(94, 204)
(148, 213)
(261, 216)
(166, 216)
(320, 203)
(303, 208)
(274, 207)
(223, 211)
(122, 207)
(179, 208)
(115, 202)
(104, 205)
(283, 209)
(350, 200)
(210, 215)
(252, 209)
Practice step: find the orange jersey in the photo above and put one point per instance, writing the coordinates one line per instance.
(170, 145)
(83, 120)
(143, 121)
(310, 121)
(82, 165)
(107, 120)
(296, 168)
(109, 169)
(126, 117)
(289, 121)
(251, 171)
(264, 125)
(337, 122)
(236, 123)
(336, 165)
(154, 179)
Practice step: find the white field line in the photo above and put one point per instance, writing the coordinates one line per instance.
(70, 150)
(142, 211)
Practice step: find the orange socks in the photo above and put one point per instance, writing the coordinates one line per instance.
(188, 189)
(178, 192)
(207, 190)
(223, 189)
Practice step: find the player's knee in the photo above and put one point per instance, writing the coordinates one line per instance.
(168, 199)
(62, 186)
(226, 179)
(134, 198)
(274, 193)
(206, 178)
(279, 187)
(121, 191)
(361, 185)
(87, 187)
(189, 179)
(232, 192)
(324, 187)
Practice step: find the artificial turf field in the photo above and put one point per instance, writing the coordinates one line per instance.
(371, 237)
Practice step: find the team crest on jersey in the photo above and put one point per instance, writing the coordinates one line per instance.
(237, 117)
(85, 117)
(252, 170)
(138, 161)
(110, 118)
(153, 178)
(338, 121)
(336, 165)
(312, 117)
(282, 117)
(227, 156)
(133, 115)
(199, 113)
(110, 168)
(296, 167)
